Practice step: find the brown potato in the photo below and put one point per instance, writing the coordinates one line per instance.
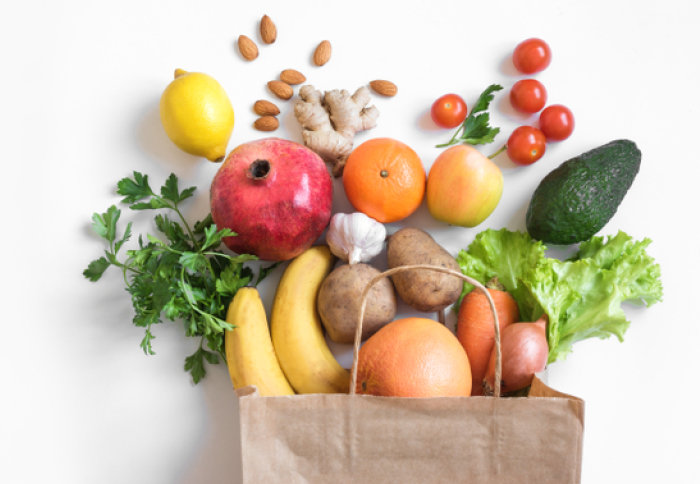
(423, 290)
(339, 302)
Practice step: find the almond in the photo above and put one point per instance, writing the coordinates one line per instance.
(385, 88)
(247, 47)
(280, 89)
(290, 76)
(266, 123)
(268, 31)
(322, 54)
(265, 108)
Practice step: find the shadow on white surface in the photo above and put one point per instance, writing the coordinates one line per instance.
(507, 67)
(517, 219)
(218, 456)
(151, 139)
(425, 122)
(292, 128)
(502, 161)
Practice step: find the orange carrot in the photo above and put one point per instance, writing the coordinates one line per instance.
(475, 328)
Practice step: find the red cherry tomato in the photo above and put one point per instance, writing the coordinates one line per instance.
(528, 95)
(557, 122)
(531, 55)
(449, 111)
(526, 145)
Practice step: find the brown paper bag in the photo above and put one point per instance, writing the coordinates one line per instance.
(349, 438)
(340, 438)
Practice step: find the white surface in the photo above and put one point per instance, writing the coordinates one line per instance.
(80, 88)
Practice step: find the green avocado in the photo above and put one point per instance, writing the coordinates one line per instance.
(575, 200)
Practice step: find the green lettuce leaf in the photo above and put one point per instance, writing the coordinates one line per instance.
(629, 260)
(509, 256)
(582, 296)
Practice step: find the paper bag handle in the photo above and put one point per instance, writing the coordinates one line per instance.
(445, 270)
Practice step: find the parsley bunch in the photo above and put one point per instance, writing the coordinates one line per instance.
(181, 276)
(475, 129)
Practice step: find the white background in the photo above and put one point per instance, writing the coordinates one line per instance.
(80, 86)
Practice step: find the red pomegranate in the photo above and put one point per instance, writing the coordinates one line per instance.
(275, 194)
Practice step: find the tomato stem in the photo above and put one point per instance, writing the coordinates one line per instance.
(500, 150)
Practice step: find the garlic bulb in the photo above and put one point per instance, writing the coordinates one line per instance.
(355, 237)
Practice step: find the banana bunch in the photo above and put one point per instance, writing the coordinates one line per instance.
(293, 353)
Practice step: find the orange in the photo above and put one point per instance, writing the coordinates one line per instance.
(413, 357)
(385, 179)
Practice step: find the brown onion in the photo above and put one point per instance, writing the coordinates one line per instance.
(524, 349)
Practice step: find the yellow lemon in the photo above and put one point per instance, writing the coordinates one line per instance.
(197, 115)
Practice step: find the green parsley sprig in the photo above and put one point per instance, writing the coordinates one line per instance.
(475, 129)
(181, 276)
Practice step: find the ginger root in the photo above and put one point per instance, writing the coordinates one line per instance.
(329, 122)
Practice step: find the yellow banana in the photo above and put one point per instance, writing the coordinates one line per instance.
(250, 356)
(297, 334)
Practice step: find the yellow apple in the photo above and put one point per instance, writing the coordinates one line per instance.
(464, 186)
